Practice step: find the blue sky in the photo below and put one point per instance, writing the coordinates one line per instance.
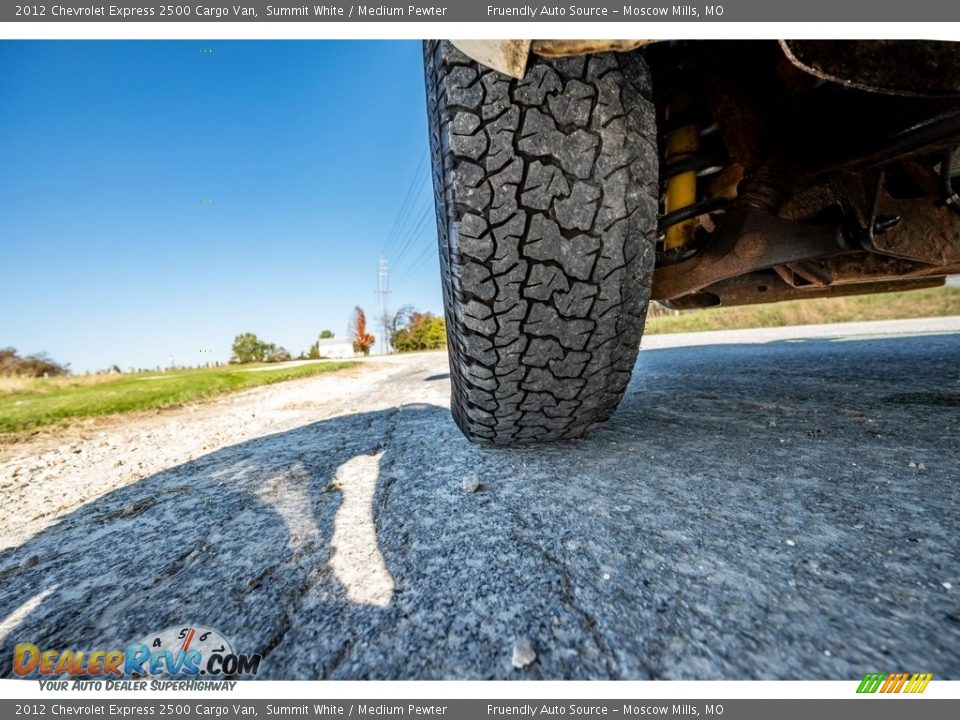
(158, 198)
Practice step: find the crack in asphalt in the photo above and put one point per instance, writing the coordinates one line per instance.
(568, 593)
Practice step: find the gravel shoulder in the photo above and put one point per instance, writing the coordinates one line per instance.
(61, 468)
(781, 504)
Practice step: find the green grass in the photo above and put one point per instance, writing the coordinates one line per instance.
(27, 404)
(933, 302)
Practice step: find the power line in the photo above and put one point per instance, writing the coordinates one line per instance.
(416, 182)
(396, 238)
(416, 232)
(383, 290)
(418, 263)
(408, 271)
(404, 210)
(412, 222)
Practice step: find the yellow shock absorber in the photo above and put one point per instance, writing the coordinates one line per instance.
(682, 143)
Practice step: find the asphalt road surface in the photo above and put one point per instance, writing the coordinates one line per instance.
(765, 504)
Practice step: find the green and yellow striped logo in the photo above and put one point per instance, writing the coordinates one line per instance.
(894, 682)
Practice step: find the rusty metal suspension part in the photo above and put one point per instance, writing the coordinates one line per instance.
(680, 148)
(686, 159)
(748, 240)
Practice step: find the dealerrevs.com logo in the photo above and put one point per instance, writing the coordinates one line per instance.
(180, 652)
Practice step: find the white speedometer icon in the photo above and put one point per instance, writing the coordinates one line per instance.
(181, 639)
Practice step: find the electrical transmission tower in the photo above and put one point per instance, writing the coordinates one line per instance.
(383, 290)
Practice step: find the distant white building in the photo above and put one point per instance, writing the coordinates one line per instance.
(335, 348)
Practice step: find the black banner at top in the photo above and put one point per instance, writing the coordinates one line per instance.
(480, 11)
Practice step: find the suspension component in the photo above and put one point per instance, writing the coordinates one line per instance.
(949, 196)
(692, 150)
(682, 144)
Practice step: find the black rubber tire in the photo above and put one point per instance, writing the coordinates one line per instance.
(546, 198)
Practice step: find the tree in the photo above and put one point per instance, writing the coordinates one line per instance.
(39, 365)
(398, 321)
(423, 331)
(276, 353)
(248, 348)
(362, 340)
(325, 334)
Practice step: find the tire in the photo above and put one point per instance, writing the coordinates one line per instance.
(546, 198)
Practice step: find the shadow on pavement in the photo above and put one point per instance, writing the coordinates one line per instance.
(750, 512)
(235, 540)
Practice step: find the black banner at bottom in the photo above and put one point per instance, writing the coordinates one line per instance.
(873, 707)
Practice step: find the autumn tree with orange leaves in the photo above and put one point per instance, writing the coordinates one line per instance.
(362, 340)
